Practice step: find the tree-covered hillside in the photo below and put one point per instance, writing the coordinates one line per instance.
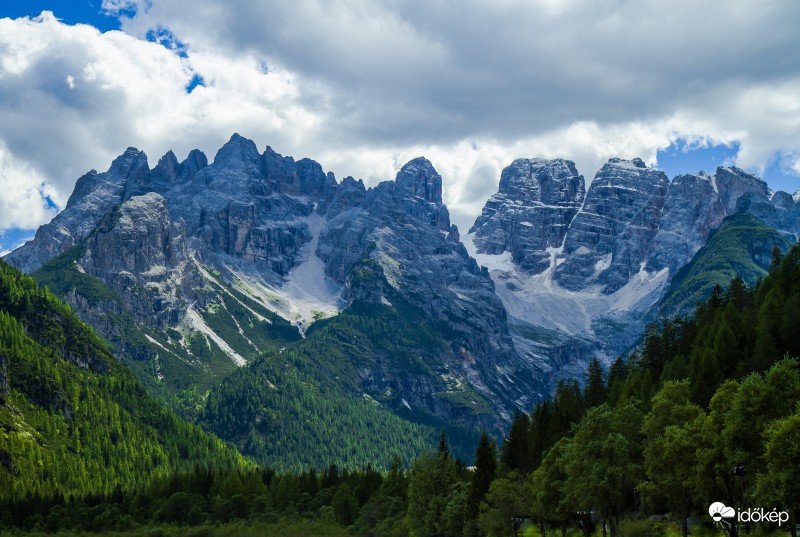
(741, 247)
(305, 406)
(72, 419)
(177, 368)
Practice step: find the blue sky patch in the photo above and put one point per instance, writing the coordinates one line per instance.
(165, 37)
(683, 157)
(11, 238)
(69, 11)
(197, 80)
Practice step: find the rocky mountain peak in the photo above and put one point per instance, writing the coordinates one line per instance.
(733, 182)
(635, 162)
(167, 168)
(132, 164)
(238, 153)
(547, 182)
(195, 161)
(85, 184)
(536, 201)
(420, 179)
(169, 172)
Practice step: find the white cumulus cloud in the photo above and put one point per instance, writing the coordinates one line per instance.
(364, 86)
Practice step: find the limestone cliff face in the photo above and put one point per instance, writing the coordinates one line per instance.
(404, 228)
(585, 278)
(95, 195)
(142, 255)
(633, 218)
(531, 211)
(289, 236)
(612, 234)
(691, 211)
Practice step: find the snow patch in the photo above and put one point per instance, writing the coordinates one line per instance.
(625, 164)
(156, 343)
(196, 321)
(238, 326)
(640, 293)
(307, 293)
(210, 277)
(603, 263)
(499, 262)
(642, 272)
(159, 376)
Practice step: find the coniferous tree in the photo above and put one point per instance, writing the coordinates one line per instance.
(484, 474)
(617, 375)
(540, 438)
(516, 454)
(430, 485)
(595, 391)
(777, 255)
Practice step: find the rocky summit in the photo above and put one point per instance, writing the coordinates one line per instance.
(531, 211)
(187, 265)
(582, 276)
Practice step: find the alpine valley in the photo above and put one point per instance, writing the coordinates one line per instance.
(313, 321)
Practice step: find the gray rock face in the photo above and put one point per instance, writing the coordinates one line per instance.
(405, 229)
(612, 235)
(531, 211)
(697, 204)
(632, 234)
(154, 236)
(691, 211)
(142, 256)
(732, 183)
(95, 195)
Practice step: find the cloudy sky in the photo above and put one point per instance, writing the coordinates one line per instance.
(363, 86)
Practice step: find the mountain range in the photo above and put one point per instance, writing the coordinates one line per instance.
(364, 309)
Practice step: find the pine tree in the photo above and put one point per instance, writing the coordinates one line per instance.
(485, 468)
(444, 450)
(595, 391)
(516, 452)
(617, 375)
(540, 433)
(776, 259)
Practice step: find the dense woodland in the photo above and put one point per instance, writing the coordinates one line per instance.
(706, 410)
(72, 419)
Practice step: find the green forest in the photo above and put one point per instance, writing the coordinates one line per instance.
(72, 419)
(706, 410)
